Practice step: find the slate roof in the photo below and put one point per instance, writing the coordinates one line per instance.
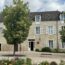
(46, 16)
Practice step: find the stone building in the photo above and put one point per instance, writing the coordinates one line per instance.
(44, 32)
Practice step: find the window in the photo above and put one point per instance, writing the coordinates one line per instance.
(62, 17)
(37, 18)
(38, 30)
(63, 45)
(50, 29)
(51, 43)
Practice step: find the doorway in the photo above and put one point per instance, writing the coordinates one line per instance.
(31, 45)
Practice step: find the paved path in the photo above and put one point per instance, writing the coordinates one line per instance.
(36, 57)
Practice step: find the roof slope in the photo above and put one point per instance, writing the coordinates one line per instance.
(46, 16)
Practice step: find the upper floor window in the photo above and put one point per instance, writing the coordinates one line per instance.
(37, 18)
(62, 17)
(50, 29)
(38, 30)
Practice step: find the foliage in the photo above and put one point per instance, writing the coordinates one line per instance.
(62, 32)
(46, 49)
(19, 62)
(55, 50)
(28, 61)
(62, 62)
(44, 63)
(37, 50)
(53, 63)
(16, 62)
(17, 22)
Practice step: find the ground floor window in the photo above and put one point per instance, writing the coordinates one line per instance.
(63, 45)
(51, 43)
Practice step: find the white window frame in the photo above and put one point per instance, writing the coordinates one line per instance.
(37, 22)
(38, 31)
(62, 18)
(51, 46)
(50, 30)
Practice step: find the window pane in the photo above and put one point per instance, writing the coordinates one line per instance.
(38, 18)
(50, 29)
(51, 43)
(37, 30)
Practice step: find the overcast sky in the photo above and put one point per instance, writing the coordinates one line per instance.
(42, 5)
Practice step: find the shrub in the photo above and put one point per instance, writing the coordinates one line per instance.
(53, 63)
(46, 49)
(62, 62)
(44, 63)
(56, 50)
(37, 50)
(19, 62)
(28, 61)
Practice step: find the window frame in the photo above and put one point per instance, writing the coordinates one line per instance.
(51, 42)
(39, 20)
(50, 30)
(37, 32)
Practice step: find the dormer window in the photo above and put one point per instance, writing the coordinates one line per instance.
(37, 18)
(62, 17)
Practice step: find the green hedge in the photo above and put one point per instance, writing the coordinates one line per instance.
(46, 49)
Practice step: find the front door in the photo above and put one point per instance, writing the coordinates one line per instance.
(31, 45)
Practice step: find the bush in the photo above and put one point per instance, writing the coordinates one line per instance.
(37, 50)
(28, 61)
(44, 63)
(16, 62)
(53, 63)
(62, 62)
(20, 62)
(56, 50)
(46, 49)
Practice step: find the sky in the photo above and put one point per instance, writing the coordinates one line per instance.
(41, 5)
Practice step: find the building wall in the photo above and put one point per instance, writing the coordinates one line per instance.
(43, 38)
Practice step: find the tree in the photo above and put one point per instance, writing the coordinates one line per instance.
(17, 23)
(62, 32)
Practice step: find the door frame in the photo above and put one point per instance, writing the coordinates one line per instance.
(29, 44)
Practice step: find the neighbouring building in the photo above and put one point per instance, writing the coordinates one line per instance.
(44, 32)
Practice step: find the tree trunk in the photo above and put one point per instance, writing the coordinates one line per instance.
(15, 48)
